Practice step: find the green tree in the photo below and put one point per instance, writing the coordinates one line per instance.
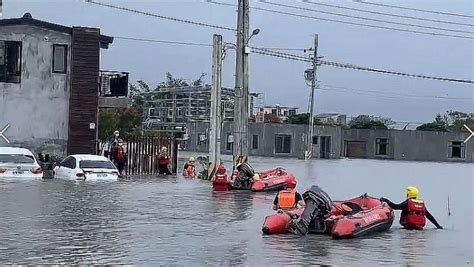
(450, 121)
(302, 118)
(127, 121)
(370, 122)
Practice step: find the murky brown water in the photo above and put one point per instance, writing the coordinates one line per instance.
(175, 221)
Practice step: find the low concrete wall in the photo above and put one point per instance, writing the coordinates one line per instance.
(402, 145)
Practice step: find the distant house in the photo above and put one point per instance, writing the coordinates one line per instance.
(332, 118)
(49, 85)
(282, 112)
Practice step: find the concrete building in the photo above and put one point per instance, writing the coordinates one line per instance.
(330, 142)
(282, 112)
(332, 119)
(49, 90)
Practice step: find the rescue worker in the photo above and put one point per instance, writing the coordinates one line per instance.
(119, 156)
(288, 198)
(163, 162)
(189, 168)
(413, 211)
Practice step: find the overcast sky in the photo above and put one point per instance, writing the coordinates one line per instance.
(282, 81)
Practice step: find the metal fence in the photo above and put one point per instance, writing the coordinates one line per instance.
(143, 151)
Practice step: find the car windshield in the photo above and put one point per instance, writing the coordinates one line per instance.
(16, 158)
(96, 164)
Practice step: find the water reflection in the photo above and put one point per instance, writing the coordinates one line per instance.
(175, 221)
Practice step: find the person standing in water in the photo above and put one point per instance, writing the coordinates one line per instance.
(163, 162)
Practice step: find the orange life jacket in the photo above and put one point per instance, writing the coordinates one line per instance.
(287, 199)
(415, 217)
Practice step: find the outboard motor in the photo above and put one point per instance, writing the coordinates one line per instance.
(244, 176)
(318, 205)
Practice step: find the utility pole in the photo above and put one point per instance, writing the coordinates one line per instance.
(241, 100)
(309, 140)
(216, 115)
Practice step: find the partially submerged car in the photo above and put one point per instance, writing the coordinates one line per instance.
(19, 163)
(86, 167)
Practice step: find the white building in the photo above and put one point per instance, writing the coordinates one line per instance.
(282, 112)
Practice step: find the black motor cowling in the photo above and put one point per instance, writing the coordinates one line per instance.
(318, 205)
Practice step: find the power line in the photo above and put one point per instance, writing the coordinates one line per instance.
(372, 92)
(365, 18)
(355, 67)
(346, 22)
(162, 17)
(415, 9)
(388, 14)
(162, 41)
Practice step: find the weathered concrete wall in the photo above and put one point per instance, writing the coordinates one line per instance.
(37, 108)
(403, 145)
(266, 133)
(411, 145)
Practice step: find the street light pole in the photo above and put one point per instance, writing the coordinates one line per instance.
(241, 106)
(309, 140)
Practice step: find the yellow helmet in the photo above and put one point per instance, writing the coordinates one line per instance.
(412, 192)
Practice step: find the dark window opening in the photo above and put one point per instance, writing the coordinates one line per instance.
(254, 141)
(202, 139)
(457, 149)
(230, 142)
(59, 58)
(381, 146)
(10, 62)
(282, 143)
(315, 140)
(274, 111)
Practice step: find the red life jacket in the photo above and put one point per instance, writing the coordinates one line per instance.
(119, 153)
(189, 171)
(415, 217)
(163, 160)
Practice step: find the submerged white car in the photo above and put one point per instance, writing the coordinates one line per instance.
(19, 163)
(86, 167)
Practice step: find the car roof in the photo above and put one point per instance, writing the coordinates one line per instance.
(81, 157)
(15, 151)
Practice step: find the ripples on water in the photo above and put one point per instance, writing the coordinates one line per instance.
(175, 221)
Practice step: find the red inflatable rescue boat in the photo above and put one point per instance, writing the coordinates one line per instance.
(273, 180)
(348, 219)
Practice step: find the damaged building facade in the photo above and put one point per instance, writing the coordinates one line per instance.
(49, 85)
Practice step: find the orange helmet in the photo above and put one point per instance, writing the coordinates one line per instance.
(290, 183)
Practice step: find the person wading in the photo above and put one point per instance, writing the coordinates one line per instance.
(189, 169)
(119, 156)
(413, 211)
(288, 198)
(163, 162)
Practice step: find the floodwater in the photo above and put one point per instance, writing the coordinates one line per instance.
(180, 222)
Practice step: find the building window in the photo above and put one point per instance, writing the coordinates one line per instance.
(274, 111)
(457, 150)
(381, 146)
(292, 112)
(230, 142)
(255, 141)
(59, 58)
(201, 139)
(282, 143)
(315, 139)
(10, 62)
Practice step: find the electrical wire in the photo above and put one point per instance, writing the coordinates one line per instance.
(345, 22)
(354, 67)
(415, 9)
(387, 14)
(162, 41)
(364, 18)
(161, 16)
(391, 94)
